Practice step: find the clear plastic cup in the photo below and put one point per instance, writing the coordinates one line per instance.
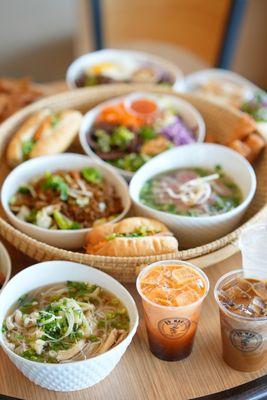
(253, 246)
(171, 330)
(244, 339)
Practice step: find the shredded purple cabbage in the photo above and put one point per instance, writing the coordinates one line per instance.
(178, 133)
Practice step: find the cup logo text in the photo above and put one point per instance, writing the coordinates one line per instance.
(174, 328)
(245, 341)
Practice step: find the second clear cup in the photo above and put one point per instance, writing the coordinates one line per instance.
(172, 295)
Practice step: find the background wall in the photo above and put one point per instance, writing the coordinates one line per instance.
(197, 25)
(36, 37)
(41, 37)
(250, 59)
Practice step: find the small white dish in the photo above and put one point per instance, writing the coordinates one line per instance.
(73, 375)
(5, 264)
(195, 231)
(192, 81)
(189, 114)
(115, 55)
(66, 239)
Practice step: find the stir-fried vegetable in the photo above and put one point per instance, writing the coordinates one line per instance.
(66, 200)
(92, 175)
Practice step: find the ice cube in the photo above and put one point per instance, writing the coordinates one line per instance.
(257, 305)
(245, 285)
(236, 292)
(244, 310)
(224, 298)
(260, 288)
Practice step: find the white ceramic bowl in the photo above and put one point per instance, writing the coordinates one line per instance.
(194, 231)
(5, 264)
(188, 113)
(192, 81)
(66, 239)
(73, 375)
(85, 61)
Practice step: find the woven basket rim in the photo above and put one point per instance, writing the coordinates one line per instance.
(85, 94)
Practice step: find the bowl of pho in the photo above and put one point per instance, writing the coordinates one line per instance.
(200, 191)
(65, 325)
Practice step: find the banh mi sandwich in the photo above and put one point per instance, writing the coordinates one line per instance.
(43, 133)
(131, 237)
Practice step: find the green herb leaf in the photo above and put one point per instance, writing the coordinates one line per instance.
(27, 147)
(64, 222)
(121, 137)
(103, 140)
(93, 338)
(57, 183)
(32, 355)
(25, 303)
(32, 216)
(92, 175)
(24, 190)
(147, 132)
(131, 162)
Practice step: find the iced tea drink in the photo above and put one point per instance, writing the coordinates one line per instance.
(243, 315)
(172, 294)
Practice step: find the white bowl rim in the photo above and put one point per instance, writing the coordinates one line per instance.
(84, 125)
(65, 155)
(195, 77)
(159, 60)
(230, 213)
(60, 365)
(6, 255)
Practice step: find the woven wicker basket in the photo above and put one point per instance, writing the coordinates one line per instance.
(219, 119)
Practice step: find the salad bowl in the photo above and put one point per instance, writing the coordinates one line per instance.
(121, 66)
(176, 123)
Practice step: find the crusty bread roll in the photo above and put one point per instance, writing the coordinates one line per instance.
(49, 137)
(25, 132)
(102, 240)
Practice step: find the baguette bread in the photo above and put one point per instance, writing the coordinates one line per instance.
(122, 239)
(25, 132)
(50, 133)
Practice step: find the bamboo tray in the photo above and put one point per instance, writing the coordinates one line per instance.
(219, 119)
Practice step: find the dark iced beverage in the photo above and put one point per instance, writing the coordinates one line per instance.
(243, 315)
(172, 294)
